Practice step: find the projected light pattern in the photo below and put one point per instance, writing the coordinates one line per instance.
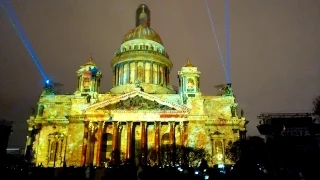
(11, 15)
(141, 112)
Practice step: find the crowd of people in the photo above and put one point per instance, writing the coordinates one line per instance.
(126, 171)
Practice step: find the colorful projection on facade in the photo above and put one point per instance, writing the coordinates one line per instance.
(141, 111)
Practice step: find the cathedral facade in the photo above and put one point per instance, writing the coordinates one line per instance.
(141, 111)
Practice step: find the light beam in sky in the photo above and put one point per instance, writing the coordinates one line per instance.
(11, 15)
(227, 41)
(216, 40)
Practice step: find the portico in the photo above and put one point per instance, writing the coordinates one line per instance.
(132, 132)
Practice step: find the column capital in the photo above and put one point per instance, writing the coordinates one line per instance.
(172, 123)
(144, 123)
(129, 124)
(100, 123)
(117, 123)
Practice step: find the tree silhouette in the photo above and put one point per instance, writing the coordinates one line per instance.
(316, 106)
(5, 132)
(248, 154)
(233, 150)
(251, 149)
(177, 154)
(117, 157)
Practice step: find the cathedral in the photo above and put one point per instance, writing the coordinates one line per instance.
(142, 110)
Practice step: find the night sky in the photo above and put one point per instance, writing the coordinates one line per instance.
(274, 47)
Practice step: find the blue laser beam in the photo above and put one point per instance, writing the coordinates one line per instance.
(227, 40)
(216, 40)
(11, 15)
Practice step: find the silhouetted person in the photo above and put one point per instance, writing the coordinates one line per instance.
(203, 165)
(88, 173)
(140, 173)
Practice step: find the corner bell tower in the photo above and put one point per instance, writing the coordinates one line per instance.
(189, 81)
(88, 78)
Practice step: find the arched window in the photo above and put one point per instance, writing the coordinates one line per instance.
(40, 110)
(140, 73)
(56, 142)
(219, 150)
(53, 151)
(86, 83)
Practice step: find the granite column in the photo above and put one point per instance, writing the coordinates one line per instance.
(144, 142)
(129, 140)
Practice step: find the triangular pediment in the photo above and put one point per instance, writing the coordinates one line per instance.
(136, 100)
(137, 103)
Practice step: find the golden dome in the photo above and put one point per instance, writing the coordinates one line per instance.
(188, 63)
(142, 29)
(142, 32)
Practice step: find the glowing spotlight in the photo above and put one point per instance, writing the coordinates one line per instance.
(47, 82)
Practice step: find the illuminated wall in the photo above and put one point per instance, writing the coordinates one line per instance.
(209, 122)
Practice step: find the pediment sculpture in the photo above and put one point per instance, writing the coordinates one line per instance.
(137, 103)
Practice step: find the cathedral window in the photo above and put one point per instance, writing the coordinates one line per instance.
(219, 150)
(136, 47)
(55, 150)
(155, 73)
(147, 72)
(161, 74)
(86, 83)
(40, 111)
(140, 73)
(125, 73)
(132, 72)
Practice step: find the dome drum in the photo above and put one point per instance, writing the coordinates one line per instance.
(141, 56)
(143, 71)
